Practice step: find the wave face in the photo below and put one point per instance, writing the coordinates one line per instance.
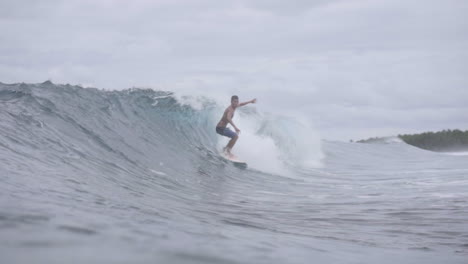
(135, 176)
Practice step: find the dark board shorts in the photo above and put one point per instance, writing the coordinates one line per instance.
(225, 131)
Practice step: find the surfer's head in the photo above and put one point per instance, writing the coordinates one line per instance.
(234, 101)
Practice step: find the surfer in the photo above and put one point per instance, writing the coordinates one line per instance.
(221, 127)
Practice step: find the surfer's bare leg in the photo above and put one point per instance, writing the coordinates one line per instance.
(230, 145)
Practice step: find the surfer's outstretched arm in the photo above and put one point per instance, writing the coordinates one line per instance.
(253, 101)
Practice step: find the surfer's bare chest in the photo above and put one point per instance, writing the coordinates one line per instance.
(225, 120)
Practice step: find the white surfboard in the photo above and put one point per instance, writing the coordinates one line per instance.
(236, 161)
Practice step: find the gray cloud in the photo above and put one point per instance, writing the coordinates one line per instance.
(353, 67)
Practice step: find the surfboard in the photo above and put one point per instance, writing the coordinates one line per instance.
(234, 160)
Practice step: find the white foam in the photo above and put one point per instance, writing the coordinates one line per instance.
(283, 139)
(268, 146)
(260, 153)
(158, 172)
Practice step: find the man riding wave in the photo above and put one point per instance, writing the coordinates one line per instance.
(221, 127)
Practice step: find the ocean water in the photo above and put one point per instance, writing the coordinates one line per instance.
(134, 176)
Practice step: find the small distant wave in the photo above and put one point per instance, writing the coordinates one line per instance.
(462, 153)
(382, 140)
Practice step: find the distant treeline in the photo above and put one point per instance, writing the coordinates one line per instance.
(446, 140)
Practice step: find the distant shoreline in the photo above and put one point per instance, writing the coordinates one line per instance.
(442, 141)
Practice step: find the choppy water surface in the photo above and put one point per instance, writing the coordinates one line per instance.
(134, 177)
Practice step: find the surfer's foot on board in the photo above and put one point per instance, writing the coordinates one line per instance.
(228, 153)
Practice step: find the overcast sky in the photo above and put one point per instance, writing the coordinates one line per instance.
(353, 68)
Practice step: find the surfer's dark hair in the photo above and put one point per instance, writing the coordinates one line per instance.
(234, 97)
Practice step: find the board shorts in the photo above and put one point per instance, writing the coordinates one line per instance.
(225, 131)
